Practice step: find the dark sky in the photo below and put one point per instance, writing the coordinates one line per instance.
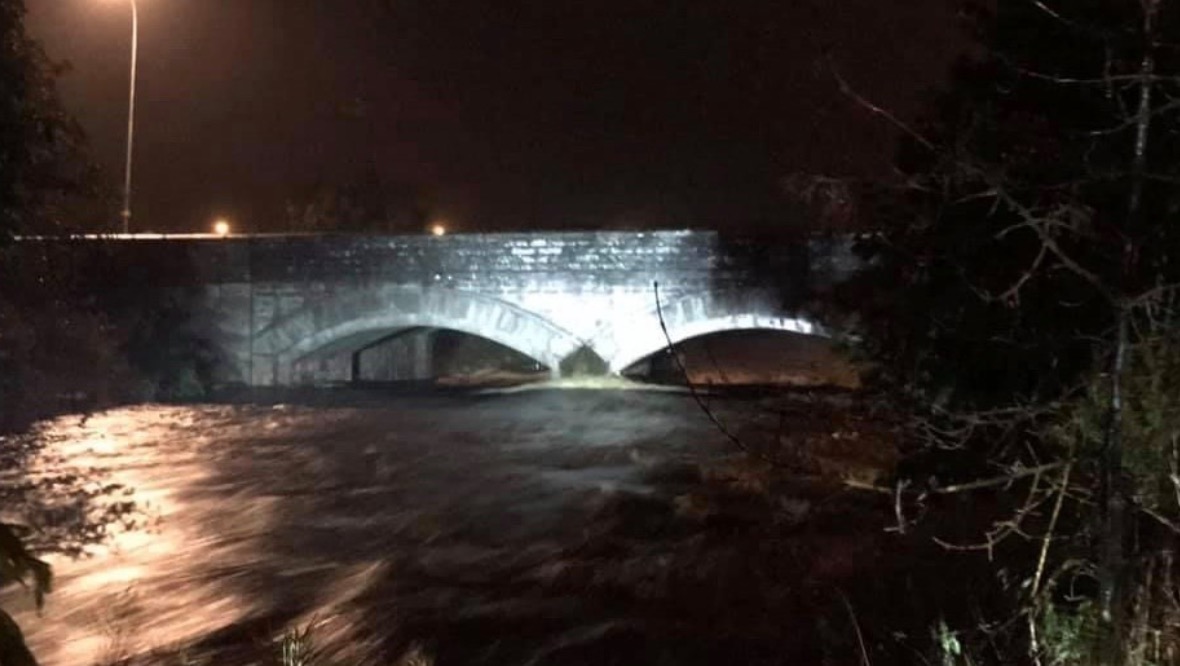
(510, 114)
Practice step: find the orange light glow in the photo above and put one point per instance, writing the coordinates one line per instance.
(221, 228)
(437, 229)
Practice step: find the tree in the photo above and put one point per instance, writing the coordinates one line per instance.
(45, 184)
(46, 181)
(1025, 265)
(1013, 228)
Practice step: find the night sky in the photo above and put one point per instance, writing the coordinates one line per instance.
(507, 114)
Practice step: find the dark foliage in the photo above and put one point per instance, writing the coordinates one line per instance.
(1008, 232)
(1022, 297)
(54, 345)
(47, 184)
(75, 333)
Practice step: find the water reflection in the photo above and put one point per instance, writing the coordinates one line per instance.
(365, 520)
(548, 527)
(143, 588)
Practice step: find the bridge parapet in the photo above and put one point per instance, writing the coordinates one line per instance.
(483, 262)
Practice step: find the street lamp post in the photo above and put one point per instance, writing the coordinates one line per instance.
(126, 214)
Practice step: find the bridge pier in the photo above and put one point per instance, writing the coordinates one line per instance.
(583, 362)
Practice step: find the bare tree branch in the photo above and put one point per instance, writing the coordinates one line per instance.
(1041, 558)
(1133, 120)
(696, 396)
(979, 484)
(1105, 80)
(1011, 295)
(1074, 24)
(878, 110)
(1036, 223)
(1001, 530)
(1051, 12)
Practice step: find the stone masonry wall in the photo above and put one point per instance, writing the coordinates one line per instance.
(560, 290)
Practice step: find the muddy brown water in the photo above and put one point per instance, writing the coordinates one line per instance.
(539, 527)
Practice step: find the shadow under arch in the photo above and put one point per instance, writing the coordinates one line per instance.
(350, 321)
(695, 316)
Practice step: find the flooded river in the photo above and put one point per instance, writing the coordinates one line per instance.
(535, 527)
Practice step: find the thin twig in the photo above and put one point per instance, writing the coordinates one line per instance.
(1161, 519)
(1034, 642)
(1003, 529)
(692, 389)
(847, 90)
(996, 481)
(1174, 477)
(1011, 295)
(897, 507)
(1051, 12)
(962, 487)
(1072, 80)
(860, 639)
(1037, 224)
(1146, 297)
(1094, 31)
(1040, 572)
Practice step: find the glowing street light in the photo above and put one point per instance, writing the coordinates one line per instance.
(438, 229)
(126, 213)
(221, 227)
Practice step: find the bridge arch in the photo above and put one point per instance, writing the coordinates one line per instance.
(694, 316)
(350, 319)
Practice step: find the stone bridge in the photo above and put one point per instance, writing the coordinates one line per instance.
(285, 310)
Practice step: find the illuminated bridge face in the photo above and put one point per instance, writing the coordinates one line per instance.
(277, 308)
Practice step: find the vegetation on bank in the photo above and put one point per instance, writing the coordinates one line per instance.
(58, 348)
(75, 334)
(43, 179)
(1021, 312)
